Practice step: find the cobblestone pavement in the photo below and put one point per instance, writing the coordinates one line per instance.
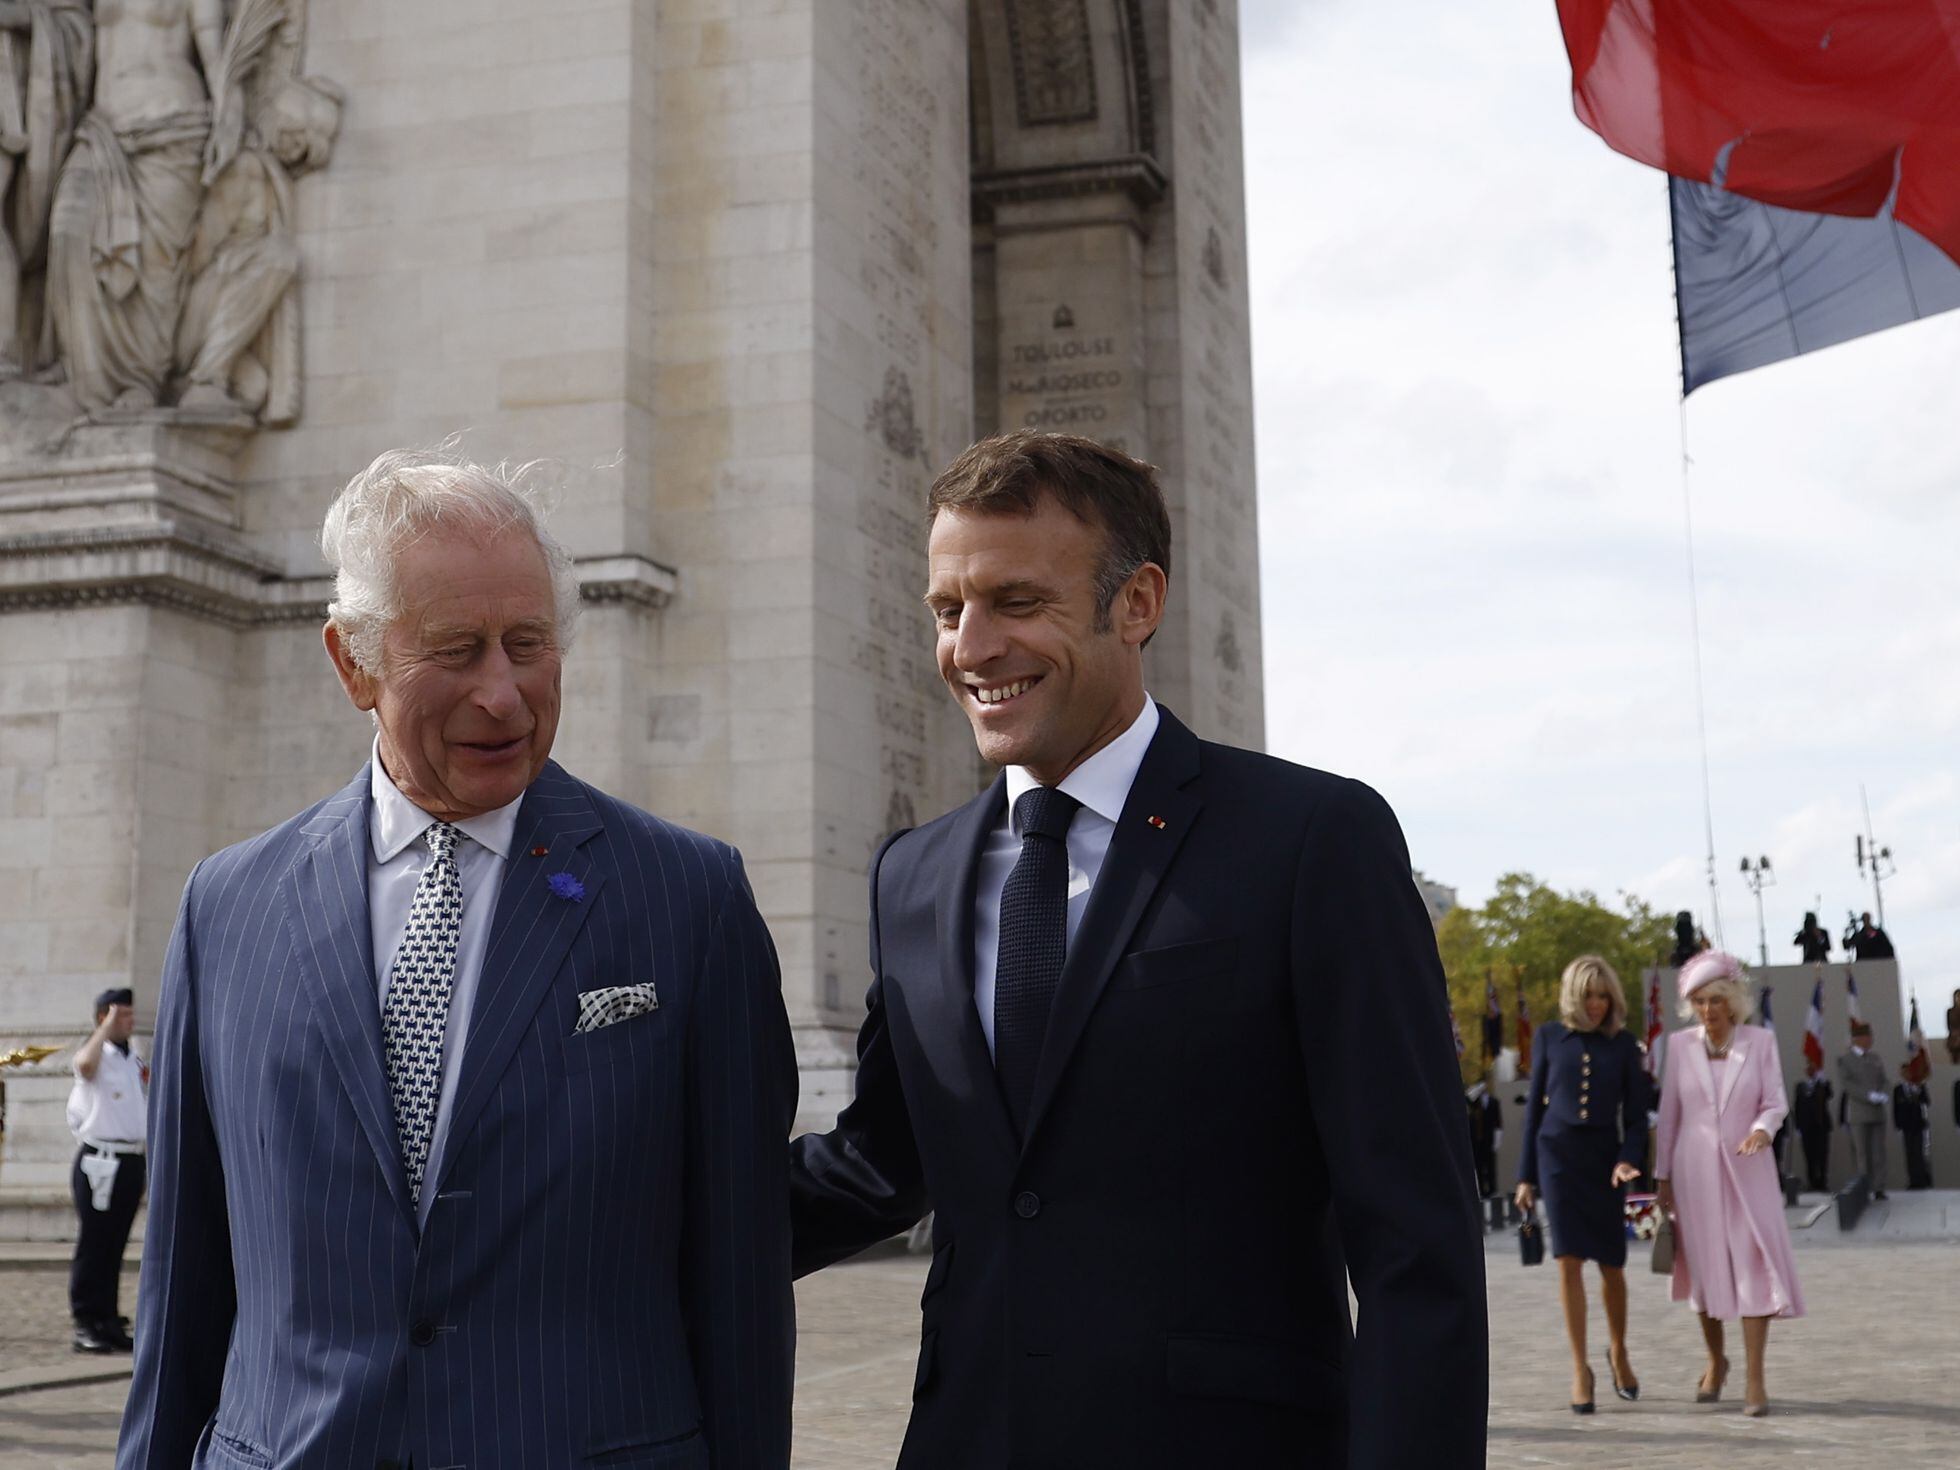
(34, 1323)
(1868, 1377)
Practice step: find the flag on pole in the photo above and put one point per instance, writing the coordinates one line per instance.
(1524, 1033)
(1754, 284)
(1493, 1020)
(1655, 1025)
(1918, 1064)
(1851, 1006)
(1813, 1028)
(1811, 105)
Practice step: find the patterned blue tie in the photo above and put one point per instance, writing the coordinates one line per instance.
(417, 1008)
(1033, 943)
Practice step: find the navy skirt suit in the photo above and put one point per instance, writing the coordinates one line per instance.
(1587, 1111)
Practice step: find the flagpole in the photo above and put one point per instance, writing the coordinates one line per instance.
(1694, 594)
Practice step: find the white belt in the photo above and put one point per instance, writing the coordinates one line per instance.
(111, 1149)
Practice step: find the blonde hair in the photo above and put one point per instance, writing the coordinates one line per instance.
(1739, 993)
(1590, 972)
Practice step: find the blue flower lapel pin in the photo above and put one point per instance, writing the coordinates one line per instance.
(566, 886)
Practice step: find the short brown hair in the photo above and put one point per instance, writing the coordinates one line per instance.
(1100, 486)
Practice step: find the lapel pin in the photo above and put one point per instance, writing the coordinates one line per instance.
(566, 886)
(540, 852)
(1157, 822)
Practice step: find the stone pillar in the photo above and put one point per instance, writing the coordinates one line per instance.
(1109, 185)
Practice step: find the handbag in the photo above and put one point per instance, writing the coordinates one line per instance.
(1662, 1261)
(1531, 1239)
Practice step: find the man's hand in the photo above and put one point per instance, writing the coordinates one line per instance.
(1755, 1143)
(1877, 1097)
(1624, 1174)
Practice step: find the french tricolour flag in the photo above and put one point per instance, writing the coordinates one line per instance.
(1851, 1005)
(1813, 1028)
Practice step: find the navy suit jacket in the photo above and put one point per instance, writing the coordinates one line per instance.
(604, 1275)
(1247, 1094)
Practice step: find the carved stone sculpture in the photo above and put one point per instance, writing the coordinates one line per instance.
(47, 62)
(170, 247)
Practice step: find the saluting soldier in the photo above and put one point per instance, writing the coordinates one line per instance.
(105, 1113)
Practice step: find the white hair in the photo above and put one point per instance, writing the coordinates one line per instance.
(407, 494)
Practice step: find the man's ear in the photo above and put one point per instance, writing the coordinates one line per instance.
(1140, 604)
(357, 681)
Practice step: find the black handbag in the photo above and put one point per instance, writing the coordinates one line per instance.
(1531, 1239)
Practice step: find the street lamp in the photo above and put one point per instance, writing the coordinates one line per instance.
(1757, 874)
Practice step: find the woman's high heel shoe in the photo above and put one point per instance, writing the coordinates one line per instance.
(1587, 1406)
(1706, 1395)
(1629, 1390)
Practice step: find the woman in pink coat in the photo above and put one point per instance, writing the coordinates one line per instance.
(1721, 1100)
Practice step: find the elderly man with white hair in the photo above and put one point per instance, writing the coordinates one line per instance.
(472, 1083)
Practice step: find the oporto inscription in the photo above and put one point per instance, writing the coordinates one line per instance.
(1064, 375)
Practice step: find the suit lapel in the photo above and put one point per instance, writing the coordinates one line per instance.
(532, 930)
(325, 896)
(947, 1024)
(1140, 853)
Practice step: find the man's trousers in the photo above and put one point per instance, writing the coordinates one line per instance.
(96, 1275)
(1868, 1143)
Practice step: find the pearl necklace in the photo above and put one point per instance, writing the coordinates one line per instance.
(1716, 1053)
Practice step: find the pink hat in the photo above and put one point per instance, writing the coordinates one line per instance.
(1710, 964)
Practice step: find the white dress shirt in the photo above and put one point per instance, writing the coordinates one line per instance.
(396, 857)
(109, 1107)
(1102, 784)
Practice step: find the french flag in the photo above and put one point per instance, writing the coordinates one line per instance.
(1813, 1029)
(1851, 1006)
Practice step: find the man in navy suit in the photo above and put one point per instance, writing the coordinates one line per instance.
(1161, 1122)
(471, 1082)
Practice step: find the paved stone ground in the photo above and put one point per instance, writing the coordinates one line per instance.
(1868, 1378)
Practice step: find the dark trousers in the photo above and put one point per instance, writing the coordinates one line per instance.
(1485, 1161)
(1817, 1157)
(1919, 1169)
(96, 1275)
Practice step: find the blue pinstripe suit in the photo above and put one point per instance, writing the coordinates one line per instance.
(603, 1277)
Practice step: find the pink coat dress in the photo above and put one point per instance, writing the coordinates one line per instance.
(1732, 1255)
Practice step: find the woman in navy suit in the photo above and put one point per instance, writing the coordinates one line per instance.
(1585, 1138)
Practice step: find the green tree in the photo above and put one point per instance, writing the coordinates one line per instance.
(1525, 937)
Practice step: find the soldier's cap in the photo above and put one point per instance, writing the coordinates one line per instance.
(122, 997)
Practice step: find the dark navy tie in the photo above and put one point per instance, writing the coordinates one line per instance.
(1033, 941)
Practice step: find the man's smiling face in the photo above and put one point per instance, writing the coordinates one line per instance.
(1044, 680)
(467, 695)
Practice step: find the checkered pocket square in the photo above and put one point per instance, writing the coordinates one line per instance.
(613, 1004)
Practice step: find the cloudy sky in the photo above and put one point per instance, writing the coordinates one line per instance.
(1475, 575)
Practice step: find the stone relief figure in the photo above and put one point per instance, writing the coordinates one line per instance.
(238, 338)
(47, 51)
(126, 206)
(171, 254)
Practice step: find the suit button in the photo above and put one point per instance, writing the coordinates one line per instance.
(422, 1333)
(1582, 1115)
(1027, 1204)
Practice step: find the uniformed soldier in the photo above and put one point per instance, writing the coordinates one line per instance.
(106, 1114)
